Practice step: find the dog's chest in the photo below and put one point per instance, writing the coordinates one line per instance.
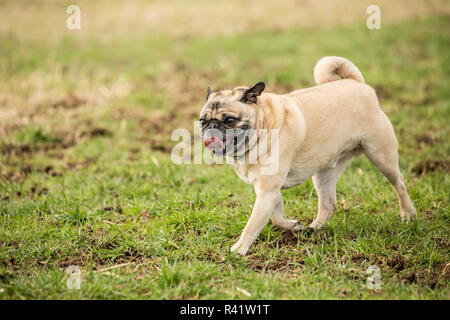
(242, 172)
(296, 177)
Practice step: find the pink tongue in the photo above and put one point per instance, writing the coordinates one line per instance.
(213, 143)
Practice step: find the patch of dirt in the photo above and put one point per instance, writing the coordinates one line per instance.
(97, 132)
(411, 277)
(259, 264)
(16, 174)
(50, 170)
(115, 209)
(397, 262)
(428, 139)
(129, 255)
(358, 258)
(156, 123)
(11, 264)
(64, 141)
(438, 276)
(434, 277)
(70, 101)
(98, 263)
(416, 101)
(288, 239)
(158, 145)
(314, 236)
(83, 259)
(209, 255)
(81, 164)
(425, 166)
(101, 232)
(232, 204)
(382, 92)
(352, 236)
(36, 190)
(79, 258)
(442, 242)
(429, 214)
(155, 126)
(16, 149)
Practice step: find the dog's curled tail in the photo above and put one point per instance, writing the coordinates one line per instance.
(328, 68)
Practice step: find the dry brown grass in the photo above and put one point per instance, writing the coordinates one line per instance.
(39, 20)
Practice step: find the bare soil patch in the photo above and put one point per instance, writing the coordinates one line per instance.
(426, 166)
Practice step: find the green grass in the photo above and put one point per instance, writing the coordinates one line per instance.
(92, 184)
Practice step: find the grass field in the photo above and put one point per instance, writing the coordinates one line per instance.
(86, 177)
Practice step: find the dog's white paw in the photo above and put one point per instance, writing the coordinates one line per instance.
(408, 214)
(238, 247)
(297, 227)
(315, 225)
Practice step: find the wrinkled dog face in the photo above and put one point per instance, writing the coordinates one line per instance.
(228, 119)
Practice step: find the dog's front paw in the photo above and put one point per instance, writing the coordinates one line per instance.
(238, 247)
(297, 227)
(408, 214)
(316, 225)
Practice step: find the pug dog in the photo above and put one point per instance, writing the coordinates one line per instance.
(319, 130)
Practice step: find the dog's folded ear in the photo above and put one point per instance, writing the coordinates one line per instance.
(208, 92)
(251, 94)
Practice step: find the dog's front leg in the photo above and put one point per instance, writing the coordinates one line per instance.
(261, 213)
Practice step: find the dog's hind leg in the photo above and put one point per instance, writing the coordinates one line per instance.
(325, 184)
(279, 219)
(382, 152)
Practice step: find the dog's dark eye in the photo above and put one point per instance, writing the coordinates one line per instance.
(230, 121)
(202, 121)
